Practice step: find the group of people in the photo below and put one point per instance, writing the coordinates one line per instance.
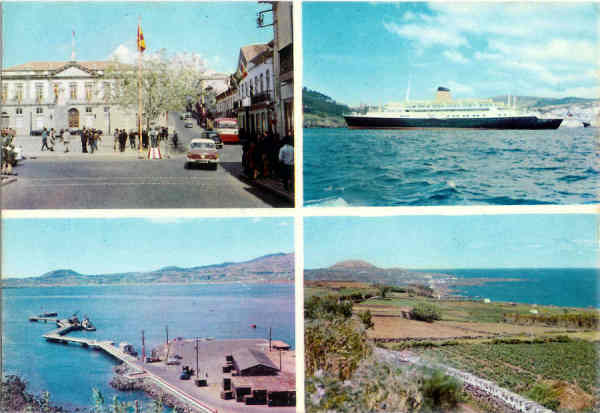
(266, 155)
(51, 137)
(90, 137)
(156, 135)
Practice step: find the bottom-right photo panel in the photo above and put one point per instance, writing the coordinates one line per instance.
(432, 313)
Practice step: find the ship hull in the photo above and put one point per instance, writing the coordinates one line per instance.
(521, 122)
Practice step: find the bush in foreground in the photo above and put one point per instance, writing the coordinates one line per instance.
(441, 392)
(426, 312)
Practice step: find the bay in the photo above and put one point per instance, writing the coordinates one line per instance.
(120, 313)
(344, 167)
(563, 287)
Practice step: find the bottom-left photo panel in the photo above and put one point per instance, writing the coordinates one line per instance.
(148, 315)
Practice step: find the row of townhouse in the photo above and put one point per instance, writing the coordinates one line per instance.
(261, 93)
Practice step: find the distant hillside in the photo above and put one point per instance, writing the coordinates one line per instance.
(537, 102)
(273, 267)
(322, 111)
(362, 271)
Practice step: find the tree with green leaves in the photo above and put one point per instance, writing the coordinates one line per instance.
(167, 85)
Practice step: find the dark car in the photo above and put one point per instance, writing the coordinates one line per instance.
(214, 136)
(36, 132)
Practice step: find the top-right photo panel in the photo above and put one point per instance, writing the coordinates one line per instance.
(450, 103)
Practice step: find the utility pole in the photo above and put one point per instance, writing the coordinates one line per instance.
(143, 348)
(167, 331)
(269, 338)
(196, 357)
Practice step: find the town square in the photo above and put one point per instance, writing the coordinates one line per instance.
(71, 99)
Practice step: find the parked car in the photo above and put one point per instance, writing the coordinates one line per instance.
(36, 132)
(202, 152)
(172, 360)
(188, 124)
(214, 136)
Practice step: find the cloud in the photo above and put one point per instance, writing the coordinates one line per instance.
(427, 35)
(518, 41)
(124, 54)
(459, 88)
(455, 56)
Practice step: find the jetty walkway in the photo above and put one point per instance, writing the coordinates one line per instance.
(59, 335)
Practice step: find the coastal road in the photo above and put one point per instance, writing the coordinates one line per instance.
(108, 179)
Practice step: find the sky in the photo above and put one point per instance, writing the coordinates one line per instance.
(32, 247)
(369, 53)
(214, 32)
(452, 242)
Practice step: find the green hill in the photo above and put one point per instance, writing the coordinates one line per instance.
(322, 111)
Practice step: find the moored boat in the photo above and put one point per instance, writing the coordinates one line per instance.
(86, 324)
(444, 112)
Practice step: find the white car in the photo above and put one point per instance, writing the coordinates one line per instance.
(202, 152)
(188, 124)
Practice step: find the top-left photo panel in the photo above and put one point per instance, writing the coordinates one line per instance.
(131, 105)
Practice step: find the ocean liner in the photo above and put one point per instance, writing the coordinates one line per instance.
(444, 112)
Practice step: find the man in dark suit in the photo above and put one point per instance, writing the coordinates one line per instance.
(84, 139)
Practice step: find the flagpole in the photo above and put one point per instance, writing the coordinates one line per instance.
(139, 84)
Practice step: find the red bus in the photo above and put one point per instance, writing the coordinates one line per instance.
(227, 128)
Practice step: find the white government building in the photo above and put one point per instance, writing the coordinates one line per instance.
(60, 95)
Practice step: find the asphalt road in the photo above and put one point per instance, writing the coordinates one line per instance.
(108, 179)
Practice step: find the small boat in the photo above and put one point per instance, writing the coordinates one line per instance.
(51, 314)
(86, 324)
(586, 124)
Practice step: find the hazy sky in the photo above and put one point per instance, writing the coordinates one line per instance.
(31, 247)
(42, 31)
(491, 241)
(367, 52)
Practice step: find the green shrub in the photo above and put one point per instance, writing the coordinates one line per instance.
(426, 312)
(366, 318)
(327, 307)
(545, 395)
(441, 392)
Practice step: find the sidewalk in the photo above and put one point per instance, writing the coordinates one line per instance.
(270, 184)
(32, 149)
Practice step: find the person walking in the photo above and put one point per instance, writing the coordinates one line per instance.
(45, 139)
(67, 139)
(84, 140)
(132, 139)
(52, 139)
(116, 140)
(122, 140)
(286, 157)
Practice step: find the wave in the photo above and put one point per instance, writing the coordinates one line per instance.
(327, 202)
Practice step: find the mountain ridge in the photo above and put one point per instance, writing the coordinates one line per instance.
(270, 267)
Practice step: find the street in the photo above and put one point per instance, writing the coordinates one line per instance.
(109, 179)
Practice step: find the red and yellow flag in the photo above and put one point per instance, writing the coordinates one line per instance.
(141, 43)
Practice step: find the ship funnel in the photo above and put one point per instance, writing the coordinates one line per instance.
(443, 94)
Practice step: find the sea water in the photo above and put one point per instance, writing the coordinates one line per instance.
(564, 287)
(120, 313)
(344, 167)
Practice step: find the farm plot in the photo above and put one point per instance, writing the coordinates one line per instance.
(518, 366)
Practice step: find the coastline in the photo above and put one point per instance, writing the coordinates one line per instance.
(286, 281)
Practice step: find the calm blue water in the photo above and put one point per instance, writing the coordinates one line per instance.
(572, 287)
(120, 313)
(344, 167)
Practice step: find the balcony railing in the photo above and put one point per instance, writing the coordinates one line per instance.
(262, 97)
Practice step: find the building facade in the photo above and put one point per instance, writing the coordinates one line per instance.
(283, 65)
(61, 95)
(256, 96)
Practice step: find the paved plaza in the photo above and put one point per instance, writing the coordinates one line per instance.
(113, 179)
